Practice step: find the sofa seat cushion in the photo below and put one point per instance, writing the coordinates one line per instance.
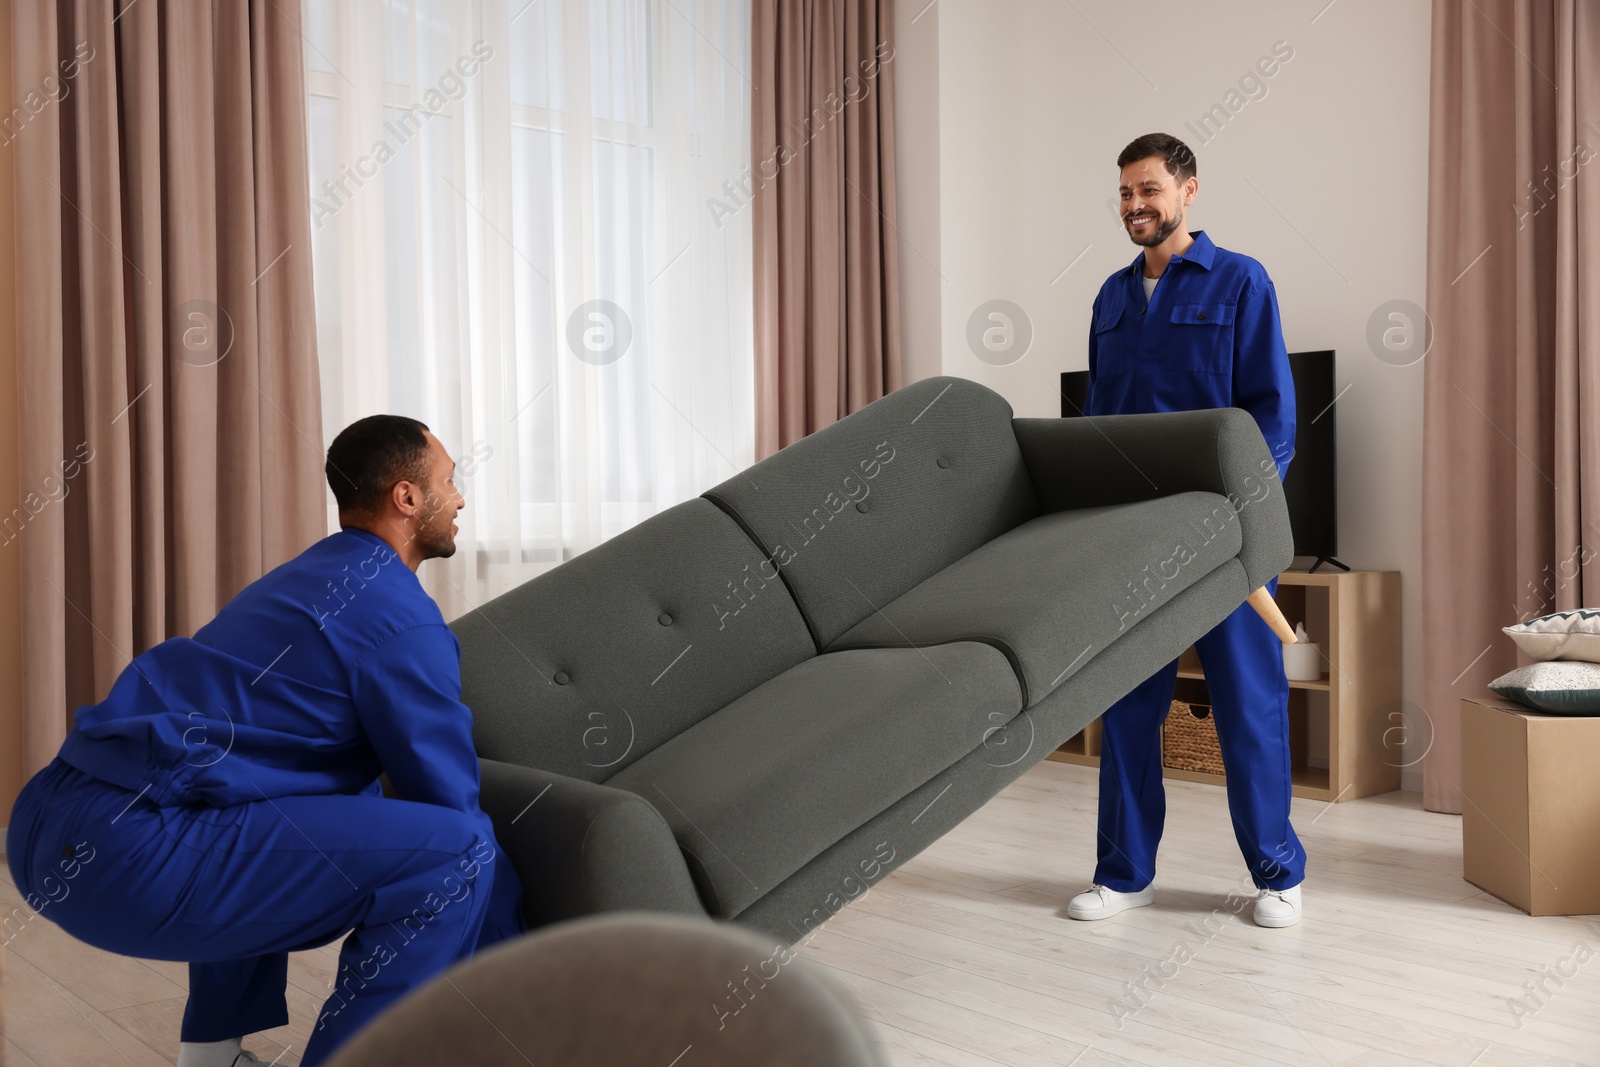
(760, 788)
(1056, 590)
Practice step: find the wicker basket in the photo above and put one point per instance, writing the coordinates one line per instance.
(1189, 739)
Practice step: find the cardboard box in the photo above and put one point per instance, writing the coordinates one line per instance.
(1530, 811)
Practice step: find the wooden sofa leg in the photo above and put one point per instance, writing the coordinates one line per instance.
(1267, 608)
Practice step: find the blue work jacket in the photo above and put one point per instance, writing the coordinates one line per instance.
(318, 676)
(1209, 337)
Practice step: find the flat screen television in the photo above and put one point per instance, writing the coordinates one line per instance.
(1311, 487)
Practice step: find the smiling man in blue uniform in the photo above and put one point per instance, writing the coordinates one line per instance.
(222, 806)
(1188, 325)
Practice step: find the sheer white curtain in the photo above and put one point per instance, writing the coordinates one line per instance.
(529, 233)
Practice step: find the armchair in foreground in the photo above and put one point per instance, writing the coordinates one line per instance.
(619, 991)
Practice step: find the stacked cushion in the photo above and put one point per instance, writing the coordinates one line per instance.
(1559, 687)
(1566, 680)
(1564, 635)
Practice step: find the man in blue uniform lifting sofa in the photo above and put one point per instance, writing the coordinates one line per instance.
(1188, 325)
(222, 806)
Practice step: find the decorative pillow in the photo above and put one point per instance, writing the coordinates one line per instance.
(1564, 635)
(1557, 687)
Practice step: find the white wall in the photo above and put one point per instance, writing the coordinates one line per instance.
(1323, 179)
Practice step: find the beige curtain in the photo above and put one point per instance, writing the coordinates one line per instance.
(1511, 434)
(170, 432)
(827, 276)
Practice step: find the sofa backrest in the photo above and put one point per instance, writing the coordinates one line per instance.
(591, 665)
(857, 513)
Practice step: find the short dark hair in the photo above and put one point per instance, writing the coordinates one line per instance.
(1177, 156)
(371, 455)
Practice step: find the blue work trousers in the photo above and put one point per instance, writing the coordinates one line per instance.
(1243, 663)
(233, 890)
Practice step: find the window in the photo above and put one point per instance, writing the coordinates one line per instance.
(514, 241)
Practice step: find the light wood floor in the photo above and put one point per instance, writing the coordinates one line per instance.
(964, 956)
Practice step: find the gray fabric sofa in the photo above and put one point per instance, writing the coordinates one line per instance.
(759, 702)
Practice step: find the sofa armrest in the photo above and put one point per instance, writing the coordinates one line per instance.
(1097, 460)
(582, 848)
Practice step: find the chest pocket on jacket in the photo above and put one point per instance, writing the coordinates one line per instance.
(1202, 338)
(1113, 353)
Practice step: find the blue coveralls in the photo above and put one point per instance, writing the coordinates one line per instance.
(221, 806)
(1209, 337)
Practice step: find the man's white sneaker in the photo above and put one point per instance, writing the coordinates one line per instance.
(1278, 907)
(1098, 902)
(218, 1054)
(250, 1059)
(209, 1053)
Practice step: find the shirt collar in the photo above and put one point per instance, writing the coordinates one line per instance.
(1201, 253)
(369, 537)
(383, 552)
